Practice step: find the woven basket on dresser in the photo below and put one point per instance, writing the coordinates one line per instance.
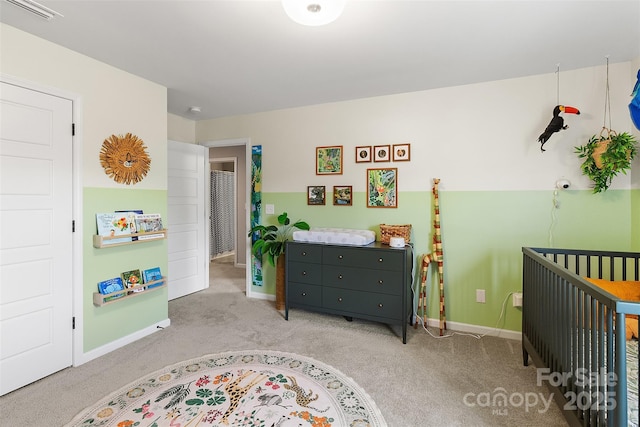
(389, 231)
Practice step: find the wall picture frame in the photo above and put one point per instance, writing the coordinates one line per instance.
(329, 160)
(382, 188)
(382, 153)
(363, 154)
(316, 195)
(401, 152)
(342, 195)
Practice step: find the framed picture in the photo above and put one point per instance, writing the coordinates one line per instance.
(401, 152)
(316, 195)
(382, 188)
(342, 195)
(329, 160)
(363, 154)
(381, 153)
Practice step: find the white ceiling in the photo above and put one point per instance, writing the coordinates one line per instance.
(237, 57)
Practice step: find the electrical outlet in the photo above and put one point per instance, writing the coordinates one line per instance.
(270, 209)
(517, 299)
(480, 295)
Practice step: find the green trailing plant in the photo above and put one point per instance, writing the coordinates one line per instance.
(605, 156)
(271, 239)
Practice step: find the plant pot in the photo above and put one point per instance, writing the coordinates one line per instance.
(280, 286)
(601, 148)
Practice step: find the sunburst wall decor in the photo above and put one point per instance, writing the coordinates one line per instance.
(125, 158)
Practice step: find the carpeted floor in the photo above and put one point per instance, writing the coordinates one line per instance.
(427, 382)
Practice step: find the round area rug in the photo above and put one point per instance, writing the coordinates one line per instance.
(240, 388)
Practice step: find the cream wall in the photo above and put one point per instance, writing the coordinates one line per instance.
(476, 137)
(181, 129)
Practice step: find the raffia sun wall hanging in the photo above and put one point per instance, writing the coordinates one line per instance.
(125, 158)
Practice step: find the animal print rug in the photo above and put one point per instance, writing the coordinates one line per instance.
(241, 388)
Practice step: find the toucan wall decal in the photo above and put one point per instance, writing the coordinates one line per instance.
(556, 124)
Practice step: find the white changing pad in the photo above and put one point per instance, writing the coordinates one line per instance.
(343, 236)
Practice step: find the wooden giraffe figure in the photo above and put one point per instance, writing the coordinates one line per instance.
(438, 253)
(237, 392)
(422, 294)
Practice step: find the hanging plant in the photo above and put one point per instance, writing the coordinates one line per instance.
(605, 156)
(609, 153)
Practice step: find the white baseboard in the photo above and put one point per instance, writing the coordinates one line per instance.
(260, 295)
(121, 342)
(477, 330)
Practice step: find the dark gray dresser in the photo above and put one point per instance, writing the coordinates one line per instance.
(370, 282)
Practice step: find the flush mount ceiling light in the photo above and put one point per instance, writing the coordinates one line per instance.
(195, 110)
(35, 8)
(313, 12)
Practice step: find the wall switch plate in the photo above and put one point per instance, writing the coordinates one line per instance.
(269, 209)
(480, 295)
(517, 299)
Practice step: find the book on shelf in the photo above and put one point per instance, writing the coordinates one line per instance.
(131, 219)
(111, 224)
(148, 223)
(151, 275)
(132, 278)
(109, 286)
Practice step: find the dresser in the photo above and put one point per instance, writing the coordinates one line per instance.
(370, 282)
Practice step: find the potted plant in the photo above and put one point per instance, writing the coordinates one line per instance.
(606, 155)
(271, 242)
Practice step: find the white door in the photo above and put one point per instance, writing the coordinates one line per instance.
(188, 236)
(35, 235)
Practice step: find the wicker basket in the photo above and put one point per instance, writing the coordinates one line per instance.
(389, 231)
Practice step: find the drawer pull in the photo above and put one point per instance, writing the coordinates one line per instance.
(304, 294)
(380, 305)
(340, 276)
(303, 253)
(304, 273)
(380, 260)
(340, 256)
(380, 282)
(339, 299)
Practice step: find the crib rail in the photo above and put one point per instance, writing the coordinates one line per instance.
(575, 331)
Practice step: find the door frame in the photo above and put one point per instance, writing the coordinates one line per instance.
(77, 351)
(247, 203)
(235, 206)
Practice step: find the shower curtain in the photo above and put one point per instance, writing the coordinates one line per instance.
(222, 213)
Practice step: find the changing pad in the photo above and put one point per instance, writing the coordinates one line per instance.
(343, 236)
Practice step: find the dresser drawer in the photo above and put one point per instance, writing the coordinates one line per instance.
(304, 272)
(360, 279)
(358, 302)
(304, 252)
(304, 294)
(356, 257)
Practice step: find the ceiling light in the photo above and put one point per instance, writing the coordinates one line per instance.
(35, 8)
(195, 109)
(313, 12)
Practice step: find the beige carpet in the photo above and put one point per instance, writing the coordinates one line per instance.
(427, 382)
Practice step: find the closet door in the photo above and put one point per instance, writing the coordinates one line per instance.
(188, 237)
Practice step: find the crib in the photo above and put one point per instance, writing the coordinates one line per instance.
(574, 332)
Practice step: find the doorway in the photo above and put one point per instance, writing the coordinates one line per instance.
(223, 227)
(239, 149)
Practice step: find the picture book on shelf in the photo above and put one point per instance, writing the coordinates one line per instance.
(147, 223)
(151, 275)
(131, 219)
(109, 286)
(132, 278)
(115, 224)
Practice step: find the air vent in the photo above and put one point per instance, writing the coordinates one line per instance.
(35, 8)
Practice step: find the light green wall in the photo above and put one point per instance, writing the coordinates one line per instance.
(105, 324)
(482, 237)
